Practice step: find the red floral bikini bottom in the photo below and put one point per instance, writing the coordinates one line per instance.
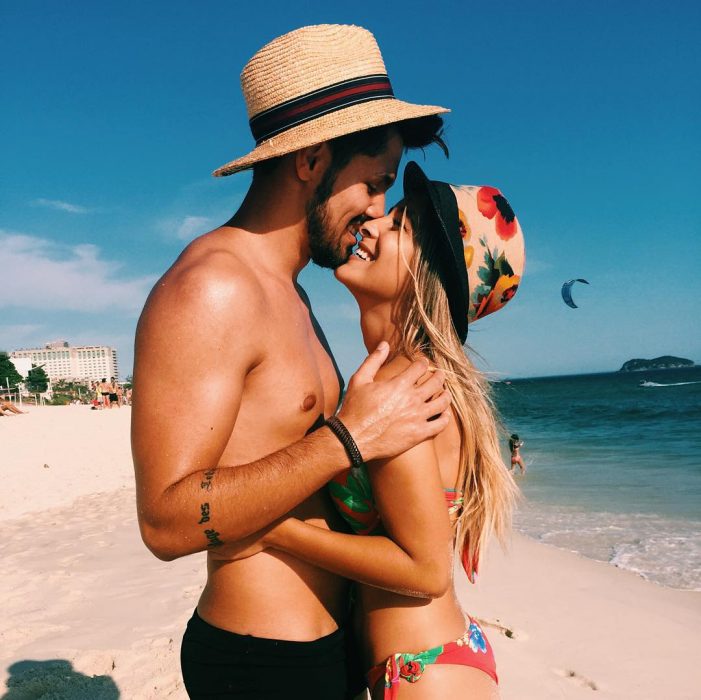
(472, 649)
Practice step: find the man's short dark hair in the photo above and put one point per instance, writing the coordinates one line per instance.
(415, 133)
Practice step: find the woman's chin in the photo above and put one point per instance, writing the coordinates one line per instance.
(342, 273)
(349, 278)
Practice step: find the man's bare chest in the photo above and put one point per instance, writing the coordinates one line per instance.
(291, 389)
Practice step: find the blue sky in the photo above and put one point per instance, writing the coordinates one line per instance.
(584, 114)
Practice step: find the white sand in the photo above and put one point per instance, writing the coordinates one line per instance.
(79, 585)
(102, 618)
(582, 626)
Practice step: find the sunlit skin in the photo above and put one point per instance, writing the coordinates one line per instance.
(408, 490)
(230, 317)
(378, 272)
(358, 195)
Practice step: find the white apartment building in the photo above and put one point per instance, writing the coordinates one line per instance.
(81, 362)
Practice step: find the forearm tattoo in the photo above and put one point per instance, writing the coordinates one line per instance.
(206, 512)
(206, 482)
(213, 537)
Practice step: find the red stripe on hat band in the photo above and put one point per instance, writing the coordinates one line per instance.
(305, 108)
(336, 96)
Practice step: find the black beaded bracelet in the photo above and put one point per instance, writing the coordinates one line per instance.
(346, 439)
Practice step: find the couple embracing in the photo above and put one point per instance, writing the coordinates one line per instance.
(330, 529)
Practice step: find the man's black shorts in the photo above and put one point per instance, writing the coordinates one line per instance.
(218, 664)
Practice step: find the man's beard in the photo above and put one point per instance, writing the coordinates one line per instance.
(325, 251)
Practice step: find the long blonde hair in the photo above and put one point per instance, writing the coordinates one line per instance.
(424, 323)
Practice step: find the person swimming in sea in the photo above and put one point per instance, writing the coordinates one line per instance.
(515, 444)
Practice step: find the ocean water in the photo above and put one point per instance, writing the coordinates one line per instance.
(614, 467)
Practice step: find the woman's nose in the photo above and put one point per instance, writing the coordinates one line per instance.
(370, 229)
(374, 228)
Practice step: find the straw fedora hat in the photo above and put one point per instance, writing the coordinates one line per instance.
(483, 246)
(315, 84)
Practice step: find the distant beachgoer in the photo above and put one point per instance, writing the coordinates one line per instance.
(105, 391)
(114, 396)
(120, 394)
(8, 406)
(96, 400)
(515, 445)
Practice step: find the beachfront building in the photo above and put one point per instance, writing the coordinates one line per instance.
(77, 363)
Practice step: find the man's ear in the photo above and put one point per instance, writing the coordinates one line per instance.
(311, 163)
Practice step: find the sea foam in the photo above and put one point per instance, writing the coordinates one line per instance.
(662, 550)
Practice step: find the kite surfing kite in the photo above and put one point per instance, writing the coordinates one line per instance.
(567, 292)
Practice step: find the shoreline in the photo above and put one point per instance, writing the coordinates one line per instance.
(87, 604)
(628, 571)
(613, 469)
(647, 545)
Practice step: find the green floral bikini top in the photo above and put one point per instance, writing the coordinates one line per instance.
(352, 495)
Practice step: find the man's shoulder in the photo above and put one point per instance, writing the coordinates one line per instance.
(211, 259)
(210, 274)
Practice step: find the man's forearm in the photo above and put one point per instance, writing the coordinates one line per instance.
(212, 507)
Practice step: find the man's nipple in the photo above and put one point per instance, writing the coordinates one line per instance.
(309, 402)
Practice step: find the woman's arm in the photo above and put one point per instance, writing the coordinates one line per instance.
(417, 556)
(416, 561)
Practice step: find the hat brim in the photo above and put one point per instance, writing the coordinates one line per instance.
(330, 126)
(437, 200)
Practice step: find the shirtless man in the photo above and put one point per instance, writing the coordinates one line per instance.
(105, 389)
(231, 316)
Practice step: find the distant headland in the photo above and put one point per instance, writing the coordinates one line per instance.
(664, 362)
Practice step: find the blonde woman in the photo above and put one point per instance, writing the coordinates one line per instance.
(443, 257)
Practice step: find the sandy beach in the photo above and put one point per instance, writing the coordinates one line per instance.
(89, 613)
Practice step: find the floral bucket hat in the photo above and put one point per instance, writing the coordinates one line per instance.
(482, 239)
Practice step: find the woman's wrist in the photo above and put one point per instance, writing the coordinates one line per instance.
(275, 537)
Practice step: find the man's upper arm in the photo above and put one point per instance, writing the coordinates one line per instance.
(195, 343)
